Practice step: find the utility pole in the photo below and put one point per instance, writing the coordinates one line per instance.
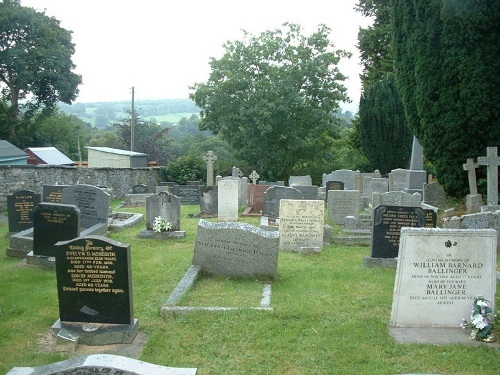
(132, 123)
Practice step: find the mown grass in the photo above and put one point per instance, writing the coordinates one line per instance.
(330, 316)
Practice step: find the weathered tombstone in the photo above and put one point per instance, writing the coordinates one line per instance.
(93, 203)
(52, 223)
(94, 285)
(397, 198)
(231, 249)
(300, 180)
(387, 224)
(164, 205)
(334, 185)
(342, 203)
(439, 273)
(52, 193)
(208, 200)
(473, 200)
(189, 194)
(140, 189)
(20, 208)
(272, 197)
(379, 185)
(301, 224)
(348, 177)
(397, 179)
(434, 195)
(480, 220)
(210, 157)
(227, 199)
(255, 199)
(492, 161)
(308, 191)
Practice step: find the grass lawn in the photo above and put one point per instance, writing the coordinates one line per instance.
(330, 316)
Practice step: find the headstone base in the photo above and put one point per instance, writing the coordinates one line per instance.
(490, 208)
(436, 336)
(473, 202)
(71, 334)
(355, 240)
(38, 261)
(369, 262)
(311, 250)
(249, 211)
(162, 235)
(266, 224)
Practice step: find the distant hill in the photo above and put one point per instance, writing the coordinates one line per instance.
(102, 114)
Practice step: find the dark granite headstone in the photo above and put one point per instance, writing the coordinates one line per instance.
(272, 197)
(430, 219)
(54, 222)
(52, 193)
(20, 208)
(93, 203)
(334, 185)
(94, 281)
(209, 200)
(189, 194)
(140, 189)
(256, 197)
(387, 224)
(308, 192)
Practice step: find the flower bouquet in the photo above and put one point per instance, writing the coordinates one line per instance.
(481, 321)
(161, 225)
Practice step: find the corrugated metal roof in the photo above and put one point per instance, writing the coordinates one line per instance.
(7, 149)
(116, 151)
(51, 155)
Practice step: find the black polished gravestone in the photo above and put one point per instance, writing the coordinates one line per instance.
(334, 185)
(52, 193)
(52, 223)
(189, 194)
(94, 281)
(387, 224)
(20, 208)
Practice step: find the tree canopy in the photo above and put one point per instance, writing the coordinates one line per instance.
(447, 58)
(272, 97)
(35, 59)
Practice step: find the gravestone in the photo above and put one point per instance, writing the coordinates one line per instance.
(140, 189)
(397, 198)
(473, 200)
(480, 220)
(20, 208)
(416, 176)
(254, 176)
(308, 191)
(342, 203)
(348, 177)
(397, 179)
(387, 224)
(52, 193)
(434, 195)
(301, 224)
(164, 205)
(94, 285)
(255, 199)
(210, 157)
(189, 194)
(334, 185)
(209, 200)
(52, 223)
(300, 180)
(231, 249)
(93, 203)
(492, 161)
(227, 200)
(439, 273)
(272, 197)
(379, 185)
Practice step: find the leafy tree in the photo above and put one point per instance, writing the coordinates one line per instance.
(106, 138)
(271, 97)
(35, 59)
(447, 59)
(383, 131)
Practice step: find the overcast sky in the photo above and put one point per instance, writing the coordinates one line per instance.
(161, 47)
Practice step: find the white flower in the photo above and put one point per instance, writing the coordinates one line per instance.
(481, 303)
(478, 321)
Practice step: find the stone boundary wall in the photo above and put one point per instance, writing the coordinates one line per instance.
(33, 177)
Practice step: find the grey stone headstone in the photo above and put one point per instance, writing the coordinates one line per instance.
(300, 180)
(342, 203)
(209, 200)
(232, 249)
(164, 205)
(93, 202)
(398, 179)
(348, 177)
(20, 208)
(417, 156)
(272, 197)
(435, 196)
(308, 192)
(492, 161)
(397, 198)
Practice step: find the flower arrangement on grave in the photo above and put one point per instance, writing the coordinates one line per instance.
(161, 225)
(481, 321)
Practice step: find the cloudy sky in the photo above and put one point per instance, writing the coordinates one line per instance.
(162, 47)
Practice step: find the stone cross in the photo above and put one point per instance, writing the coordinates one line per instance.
(470, 167)
(492, 161)
(254, 176)
(210, 157)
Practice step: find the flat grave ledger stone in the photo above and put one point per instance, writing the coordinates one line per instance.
(301, 224)
(93, 202)
(209, 200)
(52, 193)
(300, 181)
(140, 189)
(52, 223)
(164, 205)
(439, 273)
(387, 224)
(334, 185)
(227, 200)
(342, 203)
(232, 249)
(20, 208)
(189, 194)
(94, 281)
(272, 197)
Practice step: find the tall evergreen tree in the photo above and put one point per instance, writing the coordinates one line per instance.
(447, 58)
